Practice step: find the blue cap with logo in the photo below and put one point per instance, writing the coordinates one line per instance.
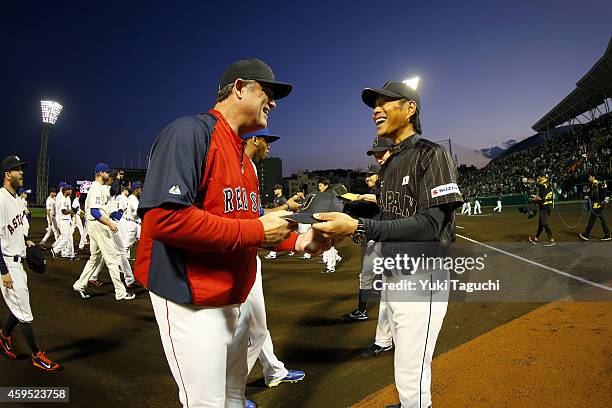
(102, 167)
(136, 184)
(261, 133)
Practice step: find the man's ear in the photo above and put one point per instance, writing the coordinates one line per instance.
(410, 108)
(239, 87)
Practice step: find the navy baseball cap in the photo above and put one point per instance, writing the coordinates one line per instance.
(262, 133)
(278, 186)
(380, 145)
(102, 167)
(257, 70)
(136, 185)
(394, 90)
(10, 162)
(21, 190)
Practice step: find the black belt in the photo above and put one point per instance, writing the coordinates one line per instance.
(18, 258)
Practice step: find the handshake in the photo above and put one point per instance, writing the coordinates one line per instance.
(316, 240)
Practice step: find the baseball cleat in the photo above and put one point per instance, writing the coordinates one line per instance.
(249, 404)
(95, 282)
(133, 285)
(356, 315)
(304, 257)
(126, 296)
(584, 236)
(551, 243)
(533, 240)
(375, 350)
(327, 270)
(84, 295)
(7, 346)
(291, 253)
(292, 376)
(40, 360)
(606, 238)
(270, 256)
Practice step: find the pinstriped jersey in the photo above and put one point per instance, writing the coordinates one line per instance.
(418, 175)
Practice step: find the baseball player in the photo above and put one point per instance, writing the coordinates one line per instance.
(200, 232)
(116, 207)
(498, 208)
(418, 196)
(544, 200)
(131, 219)
(477, 209)
(22, 194)
(280, 202)
(64, 246)
(260, 341)
(51, 223)
(467, 207)
(13, 242)
(331, 256)
(78, 223)
(101, 230)
(598, 198)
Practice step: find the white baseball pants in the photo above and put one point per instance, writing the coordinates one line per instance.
(205, 352)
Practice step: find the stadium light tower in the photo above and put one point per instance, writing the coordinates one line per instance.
(50, 112)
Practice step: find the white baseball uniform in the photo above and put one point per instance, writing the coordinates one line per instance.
(14, 251)
(101, 243)
(115, 204)
(26, 222)
(78, 223)
(366, 281)
(132, 223)
(51, 223)
(65, 244)
(415, 318)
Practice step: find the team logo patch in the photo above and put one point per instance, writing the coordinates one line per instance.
(175, 190)
(445, 189)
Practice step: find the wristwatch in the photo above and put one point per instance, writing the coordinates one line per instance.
(359, 236)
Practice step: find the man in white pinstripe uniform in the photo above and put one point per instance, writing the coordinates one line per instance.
(418, 197)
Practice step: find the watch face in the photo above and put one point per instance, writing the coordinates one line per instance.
(359, 238)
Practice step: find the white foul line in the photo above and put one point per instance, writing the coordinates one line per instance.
(578, 278)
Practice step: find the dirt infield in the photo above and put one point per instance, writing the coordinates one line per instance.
(113, 356)
(559, 355)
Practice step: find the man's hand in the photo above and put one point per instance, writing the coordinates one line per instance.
(312, 242)
(7, 281)
(367, 197)
(30, 244)
(276, 229)
(337, 224)
(113, 227)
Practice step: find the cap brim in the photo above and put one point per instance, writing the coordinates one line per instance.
(279, 89)
(21, 163)
(271, 139)
(369, 95)
(377, 150)
(302, 218)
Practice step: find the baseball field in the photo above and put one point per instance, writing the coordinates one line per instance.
(541, 340)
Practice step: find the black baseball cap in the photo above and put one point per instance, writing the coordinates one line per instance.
(10, 162)
(380, 145)
(317, 203)
(372, 169)
(278, 186)
(395, 90)
(257, 70)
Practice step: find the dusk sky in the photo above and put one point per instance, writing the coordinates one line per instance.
(489, 70)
